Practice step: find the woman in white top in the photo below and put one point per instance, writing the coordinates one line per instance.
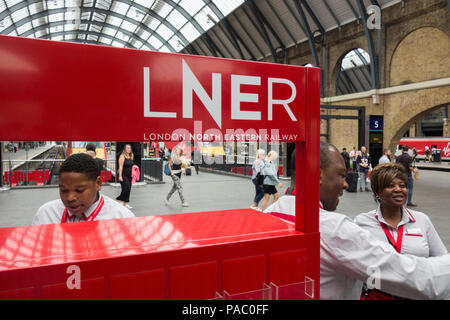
(270, 179)
(408, 231)
(257, 167)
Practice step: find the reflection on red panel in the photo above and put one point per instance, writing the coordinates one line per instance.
(92, 289)
(197, 281)
(287, 267)
(18, 294)
(243, 274)
(138, 286)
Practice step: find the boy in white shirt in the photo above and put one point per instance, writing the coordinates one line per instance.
(80, 198)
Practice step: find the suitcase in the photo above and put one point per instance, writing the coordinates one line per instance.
(188, 171)
(352, 180)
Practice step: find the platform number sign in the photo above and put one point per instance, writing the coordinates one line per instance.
(376, 123)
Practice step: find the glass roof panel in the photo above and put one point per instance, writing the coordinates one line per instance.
(25, 27)
(113, 20)
(192, 6)
(5, 23)
(159, 16)
(190, 32)
(145, 3)
(34, 7)
(120, 7)
(129, 26)
(177, 19)
(109, 31)
(227, 6)
(206, 18)
(154, 42)
(54, 4)
(19, 14)
(165, 32)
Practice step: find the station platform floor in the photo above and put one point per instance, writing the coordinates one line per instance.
(211, 191)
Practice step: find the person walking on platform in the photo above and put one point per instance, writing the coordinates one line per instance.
(92, 147)
(270, 179)
(408, 231)
(257, 167)
(364, 165)
(386, 157)
(346, 157)
(125, 167)
(175, 162)
(407, 161)
(80, 197)
(353, 156)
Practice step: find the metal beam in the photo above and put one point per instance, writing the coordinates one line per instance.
(312, 45)
(91, 16)
(357, 16)
(62, 22)
(281, 21)
(295, 17)
(231, 36)
(263, 34)
(374, 68)
(239, 39)
(115, 14)
(249, 35)
(332, 13)
(266, 37)
(61, 33)
(220, 39)
(269, 25)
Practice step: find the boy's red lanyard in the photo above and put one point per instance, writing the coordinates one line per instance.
(91, 216)
(396, 244)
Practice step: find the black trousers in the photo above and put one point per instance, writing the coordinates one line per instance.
(126, 189)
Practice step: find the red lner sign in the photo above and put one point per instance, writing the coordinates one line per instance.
(68, 91)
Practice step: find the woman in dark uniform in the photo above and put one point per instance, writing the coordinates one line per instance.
(125, 165)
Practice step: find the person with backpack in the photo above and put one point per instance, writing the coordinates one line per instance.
(258, 177)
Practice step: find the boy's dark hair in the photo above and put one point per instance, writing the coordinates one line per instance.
(91, 146)
(81, 163)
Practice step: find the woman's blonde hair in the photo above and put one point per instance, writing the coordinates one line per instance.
(124, 153)
(260, 153)
(271, 156)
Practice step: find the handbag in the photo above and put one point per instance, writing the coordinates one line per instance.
(260, 178)
(166, 169)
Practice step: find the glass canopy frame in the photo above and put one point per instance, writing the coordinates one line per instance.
(159, 25)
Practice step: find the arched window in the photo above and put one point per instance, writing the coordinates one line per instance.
(354, 73)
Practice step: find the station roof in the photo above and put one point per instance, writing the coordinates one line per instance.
(242, 29)
(236, 29)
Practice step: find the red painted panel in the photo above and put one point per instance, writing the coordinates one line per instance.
(18, 294)
(198, 281)
(243, 274)
(287, 267)
(92, 289)
(139, 286)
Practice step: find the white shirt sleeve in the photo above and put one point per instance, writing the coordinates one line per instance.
(354, 252)
(437, 247)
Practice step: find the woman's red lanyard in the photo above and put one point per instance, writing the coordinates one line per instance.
(91, 216)
(396, 244)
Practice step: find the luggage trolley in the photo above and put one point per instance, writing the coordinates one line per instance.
(231, 254)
